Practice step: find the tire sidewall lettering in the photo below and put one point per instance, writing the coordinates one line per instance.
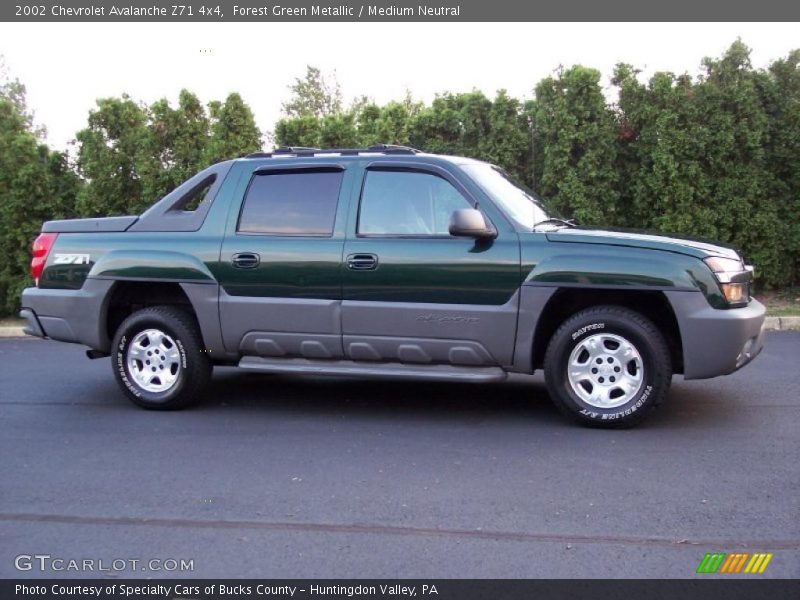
(623, 413)
(122, 368)
(586, 329)
(182, 351)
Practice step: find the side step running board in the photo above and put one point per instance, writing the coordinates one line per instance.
(349, 368)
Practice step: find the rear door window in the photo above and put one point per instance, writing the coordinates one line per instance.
(291, 202)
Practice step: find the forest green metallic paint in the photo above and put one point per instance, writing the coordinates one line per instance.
(288, 267)
(151, 264)
(444, 271)
(640, 239)
(185, 256)
(612, 266)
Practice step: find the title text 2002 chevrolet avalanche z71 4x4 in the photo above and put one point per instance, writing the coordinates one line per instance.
(387, 262)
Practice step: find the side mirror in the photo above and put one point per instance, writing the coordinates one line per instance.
(469, 222)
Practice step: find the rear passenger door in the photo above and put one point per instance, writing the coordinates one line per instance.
(412, 293)
(280, 262)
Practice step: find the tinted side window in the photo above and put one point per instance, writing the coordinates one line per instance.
(407, 203)
(193, 199)
(291, 203)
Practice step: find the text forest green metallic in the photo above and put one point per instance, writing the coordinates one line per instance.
(404, 296)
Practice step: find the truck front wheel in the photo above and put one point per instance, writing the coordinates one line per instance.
(158, 358)
(607, 366)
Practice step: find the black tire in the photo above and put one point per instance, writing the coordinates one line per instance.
(632, 327)
(193, 366)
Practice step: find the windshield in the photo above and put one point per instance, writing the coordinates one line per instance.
(514, 200)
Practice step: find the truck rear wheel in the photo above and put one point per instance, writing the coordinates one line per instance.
(607, 366)
(159, 360)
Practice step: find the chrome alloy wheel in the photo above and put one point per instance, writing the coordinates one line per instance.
(154, 360)
(605, 370)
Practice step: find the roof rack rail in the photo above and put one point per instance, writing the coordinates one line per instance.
(295, 149)
(299, 151)
(393, 149)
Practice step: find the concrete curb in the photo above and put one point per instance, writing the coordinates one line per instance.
(783, 323)
(11, 332)
(771, 324)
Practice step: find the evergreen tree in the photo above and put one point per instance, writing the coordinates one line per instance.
(35, 185)
(578, 132)
(112, 157)
(233, 130)
(314, 95)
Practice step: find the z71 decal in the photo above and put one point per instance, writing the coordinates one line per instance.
(71, 259)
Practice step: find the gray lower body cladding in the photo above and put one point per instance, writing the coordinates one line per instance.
(76, 316)
(79, 316)
(467, 334)
(716, 342)
(406, 333)
(385, 332)
(370, 332)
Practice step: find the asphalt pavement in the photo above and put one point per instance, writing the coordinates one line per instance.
(278, 476)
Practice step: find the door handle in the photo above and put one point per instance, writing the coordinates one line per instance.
(246, 260)
(362, 262)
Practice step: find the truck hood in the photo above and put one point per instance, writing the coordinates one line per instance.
(639, 239)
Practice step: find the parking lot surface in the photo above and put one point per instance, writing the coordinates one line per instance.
(277, 476)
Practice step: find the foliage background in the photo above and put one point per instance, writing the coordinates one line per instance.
(714, 156)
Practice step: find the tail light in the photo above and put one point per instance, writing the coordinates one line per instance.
(41, 248)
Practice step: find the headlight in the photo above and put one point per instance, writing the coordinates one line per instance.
(724, 265)
(734, 278)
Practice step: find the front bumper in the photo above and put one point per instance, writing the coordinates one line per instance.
(716, 342)
(76, 316)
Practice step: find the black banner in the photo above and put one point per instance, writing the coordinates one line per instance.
(397, 10)
(444, 589)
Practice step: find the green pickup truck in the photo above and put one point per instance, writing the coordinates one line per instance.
(388, 262)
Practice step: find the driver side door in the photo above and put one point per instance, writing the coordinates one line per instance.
(411, 292)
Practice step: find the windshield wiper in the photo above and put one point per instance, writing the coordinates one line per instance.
(557, 221)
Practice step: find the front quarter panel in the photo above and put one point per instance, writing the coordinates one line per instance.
(613, 267)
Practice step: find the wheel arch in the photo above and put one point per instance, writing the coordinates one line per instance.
(126, 297)
(201, 300)
(567, 301)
